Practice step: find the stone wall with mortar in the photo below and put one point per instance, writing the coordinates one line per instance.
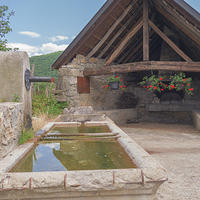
(11, 122)
(99, 98)
(106, 99)
(12, 68)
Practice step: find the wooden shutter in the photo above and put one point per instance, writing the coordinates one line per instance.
(83, 85)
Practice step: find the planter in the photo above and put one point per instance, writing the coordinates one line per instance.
(172, 95)
(114, 85)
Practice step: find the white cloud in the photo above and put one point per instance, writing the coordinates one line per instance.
(30, 34)
(59, 38)
(31, 50)
(51, 47)
(35, 51)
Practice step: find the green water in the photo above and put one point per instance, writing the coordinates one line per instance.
(75, 155)
(79, 129)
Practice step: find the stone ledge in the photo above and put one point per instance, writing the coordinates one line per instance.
(12, 158)
(196, 119)
(171, 107)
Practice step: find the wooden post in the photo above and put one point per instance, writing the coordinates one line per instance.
(145, 30)
(32, 74)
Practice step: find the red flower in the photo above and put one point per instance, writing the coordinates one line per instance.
(161, 78)
(120, 79)
(144, 86)
(155, 88)
(172, 86)
(162, 89)
(107, 86)
(121, 86)
(184, 79)
(124, 86)
(182, 85)
(116, 76)
(150, 86)
(147, 86)
(166, 85)
(191, 89)
(188, 84)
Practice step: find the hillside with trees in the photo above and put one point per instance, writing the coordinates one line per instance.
(43, 64)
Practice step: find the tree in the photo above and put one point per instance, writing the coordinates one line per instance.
(4, 26)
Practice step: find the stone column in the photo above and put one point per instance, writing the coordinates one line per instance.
(68, 76)
(12, 69)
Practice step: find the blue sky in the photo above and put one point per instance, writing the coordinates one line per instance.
(45, 26)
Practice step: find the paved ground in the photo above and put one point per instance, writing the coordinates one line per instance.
(177, 148)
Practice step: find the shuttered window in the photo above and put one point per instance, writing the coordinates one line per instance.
(83, 85)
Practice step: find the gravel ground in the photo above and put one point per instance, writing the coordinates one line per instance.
(177, 148)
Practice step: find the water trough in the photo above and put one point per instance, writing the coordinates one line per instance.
(140, 183)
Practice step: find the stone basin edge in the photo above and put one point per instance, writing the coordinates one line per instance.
(149, 174)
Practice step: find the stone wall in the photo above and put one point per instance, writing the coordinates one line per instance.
(12, 69)
(106, 99)
(11, 122)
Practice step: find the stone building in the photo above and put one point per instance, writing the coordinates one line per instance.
(133, 38)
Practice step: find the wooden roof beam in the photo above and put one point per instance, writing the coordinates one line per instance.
(143, 66)
(169, 42)
(117, 51)
(115, 37)
(176, 20)
(145, 30)
(112, 28)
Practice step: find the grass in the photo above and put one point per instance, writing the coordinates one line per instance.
(26, 135)
(44, 103)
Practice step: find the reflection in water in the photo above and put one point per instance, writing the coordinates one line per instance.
(75, 155)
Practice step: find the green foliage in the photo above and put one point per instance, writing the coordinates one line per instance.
(43, 64)
(44, 102)
(178, 82)
(4, 26)
(26, 135)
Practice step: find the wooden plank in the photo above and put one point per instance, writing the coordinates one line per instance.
(145, 30)
(132, 32)
(112, 28)
(169, 42)
(143, 66)
(83, 85)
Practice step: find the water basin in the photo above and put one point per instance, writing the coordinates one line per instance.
(63, 129)
(75, 155)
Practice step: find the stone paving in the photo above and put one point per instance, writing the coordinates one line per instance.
(177, 148)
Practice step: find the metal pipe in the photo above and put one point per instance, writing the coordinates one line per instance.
(41, 79)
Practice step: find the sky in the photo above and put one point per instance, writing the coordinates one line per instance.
(45, 26)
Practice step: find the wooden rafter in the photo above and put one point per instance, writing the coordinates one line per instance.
(132, 32)
(145, 30)
(176, 20)
(112, 28)
(143, 66)
(169, 42)
(103, 51)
